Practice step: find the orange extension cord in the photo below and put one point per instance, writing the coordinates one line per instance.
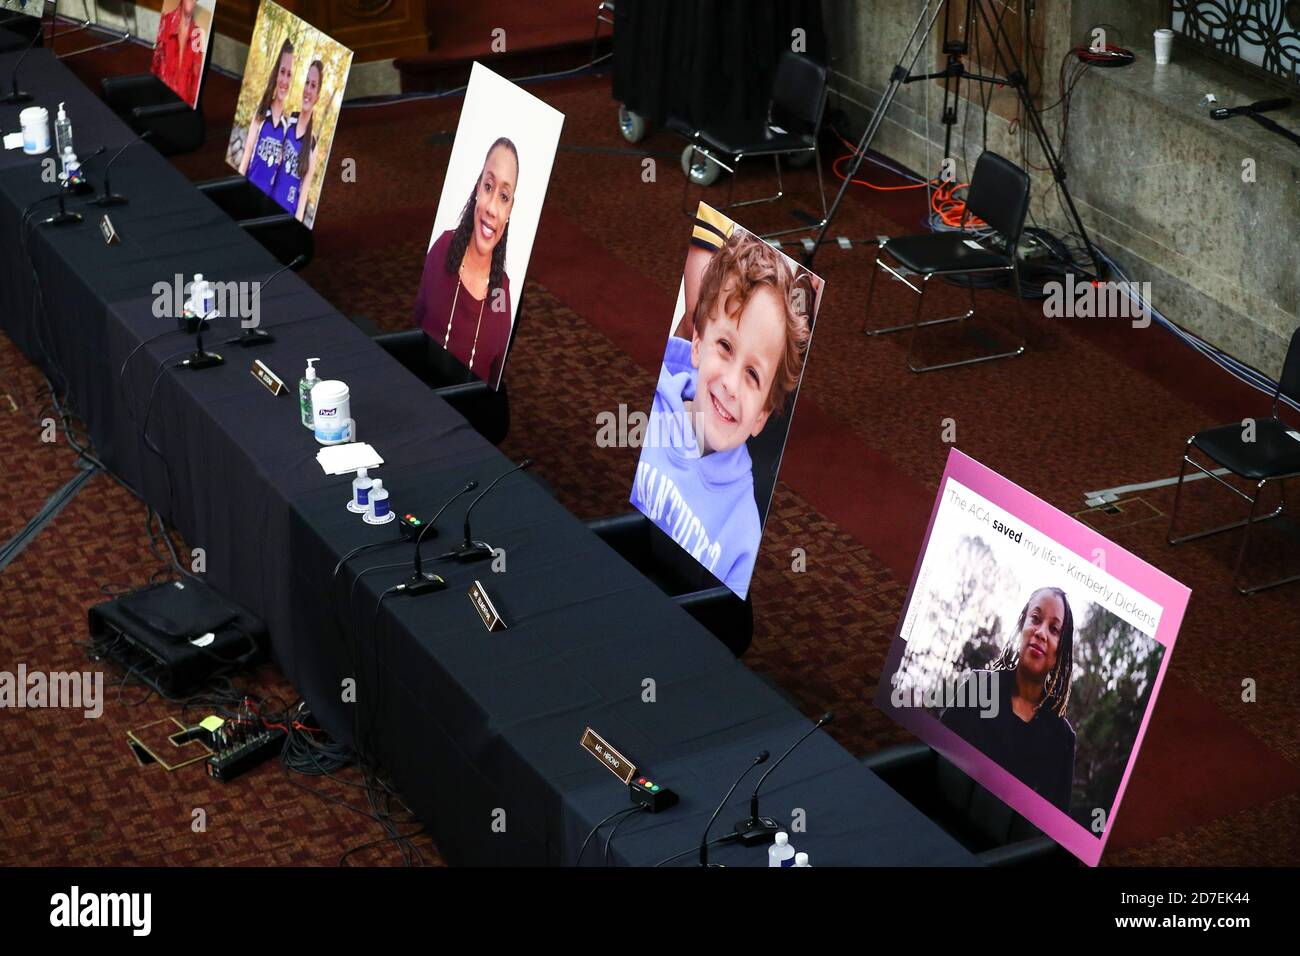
(943, 200)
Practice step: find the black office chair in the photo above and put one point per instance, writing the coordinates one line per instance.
(1266, 451)
(18, 31)
(681, 577)
(981, 822)
(793, 121)
(999, 195)
(147, 104)
(262, 218)
(487, 410)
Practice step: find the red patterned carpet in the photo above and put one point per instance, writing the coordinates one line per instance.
(1088, 406)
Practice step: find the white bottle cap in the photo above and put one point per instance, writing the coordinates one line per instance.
(198, 276)
(801, 859)
(379, 484)
(62, 115)
(782, 839)
(362, 472)
(310, 374)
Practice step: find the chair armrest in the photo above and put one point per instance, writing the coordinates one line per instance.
(625, 533)
(224, 184)
(257, 223)
(159, 110)
(902, 758)
(406, 338)
(124, 93)
(464, 390)
(1035, 851)
(410, 348)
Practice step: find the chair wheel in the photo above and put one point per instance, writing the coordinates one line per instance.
(698, 168)
(631, 125)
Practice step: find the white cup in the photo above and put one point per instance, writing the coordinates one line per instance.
(1164, 40)
(35, 121)
(332, 407)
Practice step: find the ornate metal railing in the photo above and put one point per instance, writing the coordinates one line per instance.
(1262, 37)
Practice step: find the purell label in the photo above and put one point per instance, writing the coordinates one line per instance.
(381, 507)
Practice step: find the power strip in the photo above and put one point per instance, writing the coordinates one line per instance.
(225, 765)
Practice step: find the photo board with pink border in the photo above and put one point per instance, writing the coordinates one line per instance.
(1030, 653)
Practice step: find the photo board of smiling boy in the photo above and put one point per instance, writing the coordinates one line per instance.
(722, 407)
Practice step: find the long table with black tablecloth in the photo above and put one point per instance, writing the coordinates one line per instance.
(480, 731)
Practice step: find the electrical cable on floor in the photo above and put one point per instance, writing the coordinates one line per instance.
(48, 511)
(1234, 367)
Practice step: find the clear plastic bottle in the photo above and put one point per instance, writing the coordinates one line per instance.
(62, 132)
(69, 166)
(361, 486)
(305, 385)
(202, 297)
(781, 853)
(379, 510)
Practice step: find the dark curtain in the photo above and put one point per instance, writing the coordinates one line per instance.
(706, 61)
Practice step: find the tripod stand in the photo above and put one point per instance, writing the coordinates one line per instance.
(955, 69)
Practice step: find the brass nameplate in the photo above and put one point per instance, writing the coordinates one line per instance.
(609, 758)
(108, 230)
(274, 384)
(486, 609)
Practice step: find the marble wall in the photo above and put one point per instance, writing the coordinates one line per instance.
(1158, 183)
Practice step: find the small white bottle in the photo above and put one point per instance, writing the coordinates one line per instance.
(68, 164)
(202, 297)
(361, 486)
(305, 385)
(781, 853)
(380, 513)
(62, 132)
(801, 859)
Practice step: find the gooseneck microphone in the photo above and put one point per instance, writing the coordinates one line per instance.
(704, 840)
(422, 581)
(110, 198)
(1250, 109)
(758, 829)
(471, 550)
(65, 216)
(16, 95)
(252, 335)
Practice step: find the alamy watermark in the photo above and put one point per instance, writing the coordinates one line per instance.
(978, 690)
(82, 691)
(232, 300)
(1098, 300)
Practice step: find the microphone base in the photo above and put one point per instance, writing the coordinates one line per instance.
(252, 337)
(202, 360)
(62, 218)
(424, 582)
(473, 551)
(110, 199)
(756, 830)
(17, 96)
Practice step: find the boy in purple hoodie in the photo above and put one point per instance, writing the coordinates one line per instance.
(695, 479)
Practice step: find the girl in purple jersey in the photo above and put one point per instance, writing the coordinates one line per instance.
(264, 142)
(293, 180)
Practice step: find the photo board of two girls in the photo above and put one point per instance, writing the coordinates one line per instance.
(288, 108)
